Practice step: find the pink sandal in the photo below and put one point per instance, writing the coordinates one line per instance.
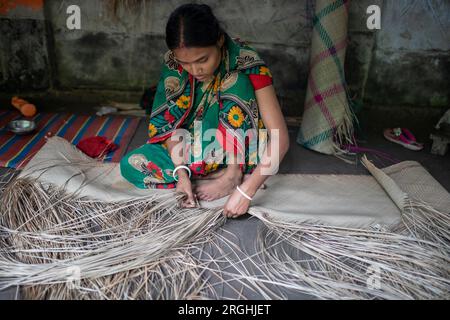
(404, 137)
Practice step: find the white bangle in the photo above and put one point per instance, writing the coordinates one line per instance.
(243, 193)
(181, 167)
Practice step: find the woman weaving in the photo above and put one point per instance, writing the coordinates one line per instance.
(222, 84)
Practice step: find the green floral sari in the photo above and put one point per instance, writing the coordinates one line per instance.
(225, 106)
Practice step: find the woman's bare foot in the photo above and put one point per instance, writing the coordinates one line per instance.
(221, 186)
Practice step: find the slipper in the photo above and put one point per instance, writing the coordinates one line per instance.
(403, 137)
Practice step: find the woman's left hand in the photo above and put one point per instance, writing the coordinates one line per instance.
(236, 205)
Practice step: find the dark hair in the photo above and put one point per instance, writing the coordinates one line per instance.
(192, 25)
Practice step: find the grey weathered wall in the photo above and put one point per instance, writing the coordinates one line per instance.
(411, 61)
(24, 60)
(121, 43)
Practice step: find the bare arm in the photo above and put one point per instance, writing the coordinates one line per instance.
(272, 117)
(184, 183)
(177, 159)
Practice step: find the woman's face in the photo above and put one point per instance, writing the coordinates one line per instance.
(199, 62)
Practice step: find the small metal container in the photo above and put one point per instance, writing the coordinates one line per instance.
(22, 126)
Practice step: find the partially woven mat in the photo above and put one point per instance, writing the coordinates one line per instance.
(340, 200)
(68, 211)
(327, 122)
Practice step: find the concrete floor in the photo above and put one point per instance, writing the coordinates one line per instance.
(300, 160)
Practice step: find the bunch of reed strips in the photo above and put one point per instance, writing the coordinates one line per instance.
(410, 260)
(132, 249)
(58, 245)
(344, 263)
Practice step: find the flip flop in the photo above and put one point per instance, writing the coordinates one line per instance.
(403, 137)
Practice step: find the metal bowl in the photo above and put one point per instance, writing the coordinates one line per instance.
(21, 126)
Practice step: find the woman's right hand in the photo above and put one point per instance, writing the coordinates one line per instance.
(184, 185)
